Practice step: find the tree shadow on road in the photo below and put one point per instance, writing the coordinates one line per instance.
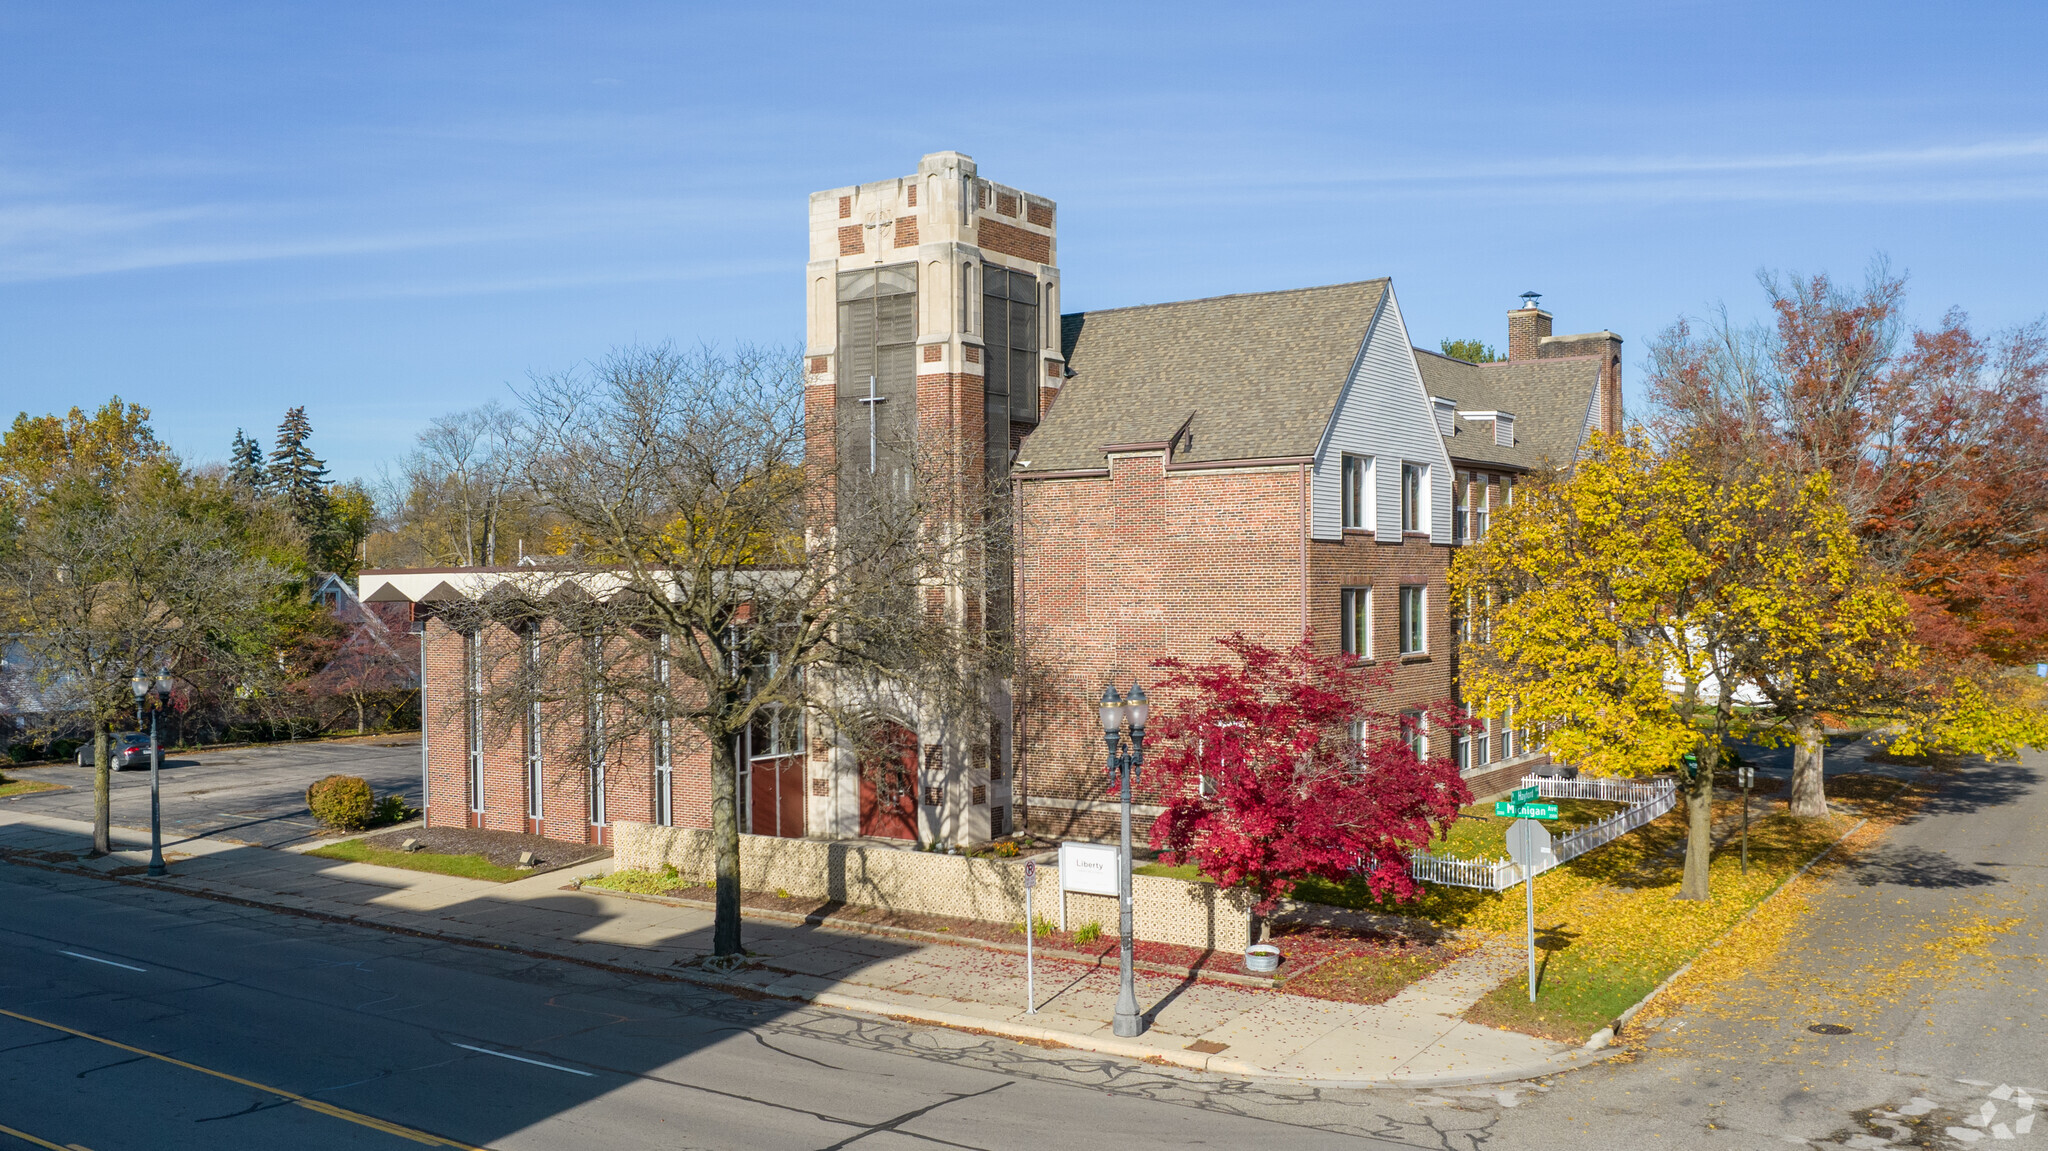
(1902, 866)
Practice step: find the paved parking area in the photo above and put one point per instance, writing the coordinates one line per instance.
(254, 795)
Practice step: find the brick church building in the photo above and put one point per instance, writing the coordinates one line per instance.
(1269, 463)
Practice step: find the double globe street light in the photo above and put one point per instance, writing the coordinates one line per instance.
(1125, 758)
(141, 685)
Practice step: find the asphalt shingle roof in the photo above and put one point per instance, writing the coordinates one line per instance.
(1260, 373)
(1548, 398)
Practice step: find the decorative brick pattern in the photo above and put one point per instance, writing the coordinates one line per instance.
(845, 207)
(1052, 368)
(817, 365)
(1039, 214)
(973, 354)
(932, 352)
(1006, 203)
(821, 787)
(850, 241)
(980, 795)
(1011, 240)
(911, 195)
(906, 231)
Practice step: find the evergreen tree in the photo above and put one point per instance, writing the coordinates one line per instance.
(298, 478)
(295, 473)
(245, 463)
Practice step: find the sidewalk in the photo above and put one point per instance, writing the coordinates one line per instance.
(1415, 1039)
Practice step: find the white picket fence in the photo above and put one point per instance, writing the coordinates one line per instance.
(1646, 801)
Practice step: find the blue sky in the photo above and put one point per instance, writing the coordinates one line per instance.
(388, 211)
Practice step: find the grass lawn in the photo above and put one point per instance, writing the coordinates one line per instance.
(466, 866)
(1609, 927)
(13, 787)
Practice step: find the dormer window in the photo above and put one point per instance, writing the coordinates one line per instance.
(1446, 415)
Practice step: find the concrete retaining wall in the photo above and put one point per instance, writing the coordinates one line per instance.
(925, 883)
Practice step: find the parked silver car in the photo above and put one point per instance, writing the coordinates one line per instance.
(124, 749)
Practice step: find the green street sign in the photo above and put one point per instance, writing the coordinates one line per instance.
(1508, 810)
(1523, 795)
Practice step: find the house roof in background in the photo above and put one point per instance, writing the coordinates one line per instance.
(1548, 398)
(1259, 374)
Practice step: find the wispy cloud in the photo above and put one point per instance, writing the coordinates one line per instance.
(2008, 169)
(56, 240)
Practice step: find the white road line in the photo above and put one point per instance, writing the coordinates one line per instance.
(524, 1059)
(108, 962)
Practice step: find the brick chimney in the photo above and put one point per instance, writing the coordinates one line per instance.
(1528, 326)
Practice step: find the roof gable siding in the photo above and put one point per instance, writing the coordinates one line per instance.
(1383, 412)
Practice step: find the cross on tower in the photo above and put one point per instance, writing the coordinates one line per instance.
(871, 399)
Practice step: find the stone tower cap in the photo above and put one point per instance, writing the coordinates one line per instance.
(946, 161)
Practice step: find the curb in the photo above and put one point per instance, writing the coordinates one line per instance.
(1105, 1045)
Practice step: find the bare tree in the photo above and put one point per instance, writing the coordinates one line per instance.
(456, 490)
(710, 569)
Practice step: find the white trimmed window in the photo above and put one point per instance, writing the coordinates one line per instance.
(534, 806)
(1414, 496)
(1482, 502)
(473, 684)
(1460, 507)
(1355, 623)
(664, 784)
(1414, 614)
(1356, 484)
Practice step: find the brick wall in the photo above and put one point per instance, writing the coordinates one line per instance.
(906, 231)
(565, 777)
(850, 241)
(1362, 561)
(1118, 571)
(1010, 240)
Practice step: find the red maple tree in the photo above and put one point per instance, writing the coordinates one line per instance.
(1276, 767)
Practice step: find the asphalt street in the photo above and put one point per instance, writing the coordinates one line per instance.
(254, 795)
(294, 1032)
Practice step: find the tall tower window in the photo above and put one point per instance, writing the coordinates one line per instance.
(1009, 320)
(877, 367)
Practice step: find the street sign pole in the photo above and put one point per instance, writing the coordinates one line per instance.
(1030, 931)
(1529, 884)
(1528, 843)
(1748, 775)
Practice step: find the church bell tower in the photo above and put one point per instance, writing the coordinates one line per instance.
(932, 325)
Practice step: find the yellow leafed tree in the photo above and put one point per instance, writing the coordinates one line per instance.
(1635, 596)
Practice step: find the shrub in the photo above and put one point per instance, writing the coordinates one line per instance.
(1089, 933)
(390, 809)
(343, 801)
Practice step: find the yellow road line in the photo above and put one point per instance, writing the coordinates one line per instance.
(28, 1138)
(370, 1121)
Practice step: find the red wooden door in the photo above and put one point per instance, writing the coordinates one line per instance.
(775, 791)
(888, 786)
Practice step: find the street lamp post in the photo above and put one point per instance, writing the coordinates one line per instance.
(141, 685)
(1124, 762)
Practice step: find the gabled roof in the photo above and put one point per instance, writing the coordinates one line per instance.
(1549, 399)
(1254, 376)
